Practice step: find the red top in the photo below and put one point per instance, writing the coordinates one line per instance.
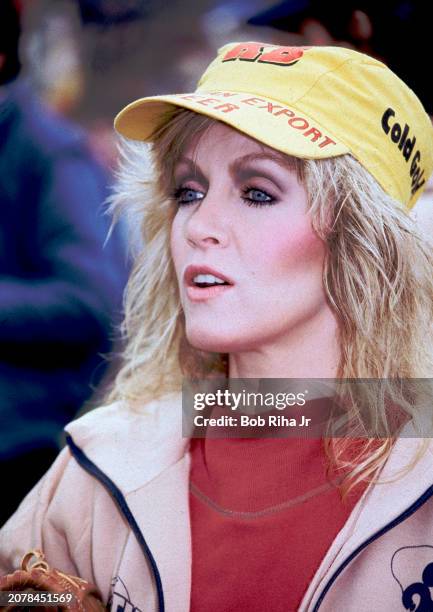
(263, 515)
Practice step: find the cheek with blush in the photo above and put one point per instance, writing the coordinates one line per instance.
(289, 247)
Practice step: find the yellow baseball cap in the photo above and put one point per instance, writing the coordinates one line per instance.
(309, 102)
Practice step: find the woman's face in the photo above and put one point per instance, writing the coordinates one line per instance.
(242, 220)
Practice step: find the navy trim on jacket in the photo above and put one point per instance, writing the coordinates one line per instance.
(120, 501)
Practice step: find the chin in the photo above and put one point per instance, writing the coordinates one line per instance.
(212, 341)
(227, 340)
(209, 343)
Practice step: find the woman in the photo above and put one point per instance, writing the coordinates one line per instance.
(278, 245)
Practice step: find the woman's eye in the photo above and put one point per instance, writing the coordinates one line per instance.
(187, 195)
(256, 197)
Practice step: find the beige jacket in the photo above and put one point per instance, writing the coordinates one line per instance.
(113, 509)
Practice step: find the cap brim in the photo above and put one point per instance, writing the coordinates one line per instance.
(279, 126)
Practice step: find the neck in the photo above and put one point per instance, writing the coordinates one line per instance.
(310, 350)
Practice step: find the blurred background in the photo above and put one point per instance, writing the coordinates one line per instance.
(88, 58)
(67, 67)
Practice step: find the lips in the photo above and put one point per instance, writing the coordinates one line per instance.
(203, 282)
(192, 272)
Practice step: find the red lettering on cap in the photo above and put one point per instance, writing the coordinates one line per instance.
(252, 101)
(224, 94)
(227, 107)
(252, 51)
(281, 56)
(190, 96)
(271, 106)
(244, 51)
(207, 101)
(326, 142)
(303, 126)
(284, 111)
(316, 134)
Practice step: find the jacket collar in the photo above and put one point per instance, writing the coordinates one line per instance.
(132, 444)
(403, 487)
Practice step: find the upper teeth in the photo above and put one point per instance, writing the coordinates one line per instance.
(207, 278)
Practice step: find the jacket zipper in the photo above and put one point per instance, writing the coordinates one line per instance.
(120, 501)
(402, 517)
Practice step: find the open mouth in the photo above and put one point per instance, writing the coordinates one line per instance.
(203, 283)
(208, 280)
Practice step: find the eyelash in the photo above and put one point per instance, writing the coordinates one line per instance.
(250, 202)
(245, 190)
(178, 193)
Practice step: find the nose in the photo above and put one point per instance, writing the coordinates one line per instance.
(207, 225)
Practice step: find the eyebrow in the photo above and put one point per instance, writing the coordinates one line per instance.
(242, 166)
(238, 168)
(193, 170)
(252, 157)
